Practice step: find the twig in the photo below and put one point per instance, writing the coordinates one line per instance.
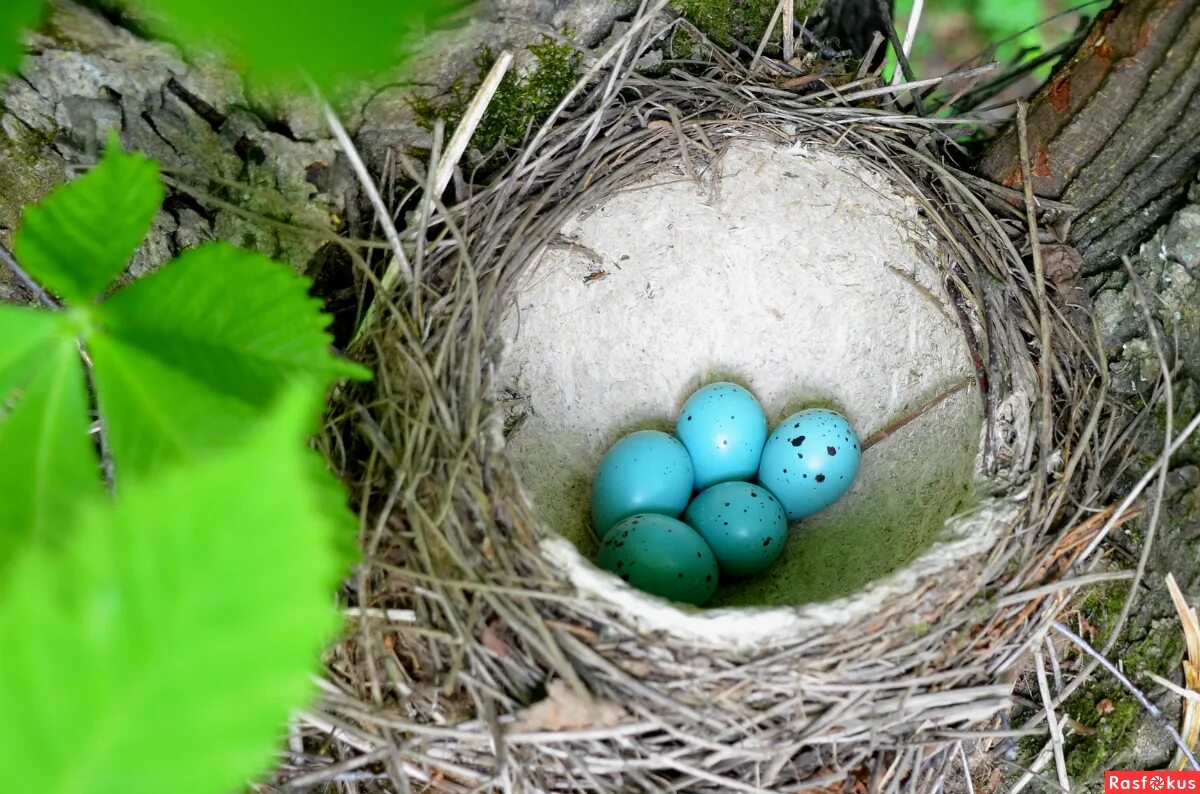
(1188, 431)
(869, 58)
(962, 756)
(910, 33)
(1122, 513)
(1028, 776)
(339, 733)
(789, 32)
(399, 266)
(766, 36)
(470, 120)
(1055, 669)
(1045, 437)
(912, 416)
(1154, 711)
(337, 771)
(890, 30)
(392, 615)
(915, 84)
(1056, 737)
(31, 285)
(1059, 585)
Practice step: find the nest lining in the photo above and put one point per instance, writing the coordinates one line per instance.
(465, 614)
(793, 271)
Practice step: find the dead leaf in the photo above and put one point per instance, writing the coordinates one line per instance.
(491, 639)
(1062, 264)
(798, 82)
(564, 710)
(1086, 629)
(1080, 728)
(1105, 707)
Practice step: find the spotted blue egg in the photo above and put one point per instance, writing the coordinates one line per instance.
(644, 472)
(742, 523)
(662, 556)
(809, 461)
(723, 428)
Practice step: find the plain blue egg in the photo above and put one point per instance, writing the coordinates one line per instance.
(743, 524)
(723, 428)
(662, 556)
(809, 461)
(644, 472)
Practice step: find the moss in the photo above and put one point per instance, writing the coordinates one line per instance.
(521, 102)
(726, 21)
(684, 46)
(1087, 755)
(1028, 748)
(1103, 707)
(1187, 404)
(1103, 605)
(24, 177)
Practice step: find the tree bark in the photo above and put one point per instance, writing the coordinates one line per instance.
(260, 170)
(1113, 133)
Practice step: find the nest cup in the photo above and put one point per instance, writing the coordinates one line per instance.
(804, 276)
(666, 233)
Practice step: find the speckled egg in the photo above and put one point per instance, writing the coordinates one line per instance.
(743, 524)
(724, 429)
(809, 461)
(662, 556)
(644, 472)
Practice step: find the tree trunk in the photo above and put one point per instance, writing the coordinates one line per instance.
(1113, 133)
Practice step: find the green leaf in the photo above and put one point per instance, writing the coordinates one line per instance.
(243, 325)
(15, 17)
(85, 232)
(329, 495)
(290, 38)
(156, 414)
(26, 333)
(47, 462)
(190, 356)
(164, 651)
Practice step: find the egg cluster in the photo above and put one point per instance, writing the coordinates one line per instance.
(735, 486)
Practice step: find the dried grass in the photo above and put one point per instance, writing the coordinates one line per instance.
(458, 622)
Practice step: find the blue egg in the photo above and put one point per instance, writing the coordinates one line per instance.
(661, 555)
(809, 461)
(723, 428)
(644, 472)
(743, 524)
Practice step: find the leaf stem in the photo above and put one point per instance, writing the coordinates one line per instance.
(31, 285)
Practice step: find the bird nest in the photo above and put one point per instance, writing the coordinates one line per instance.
(486, 652)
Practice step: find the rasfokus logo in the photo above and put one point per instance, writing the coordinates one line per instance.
(1151, 781)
